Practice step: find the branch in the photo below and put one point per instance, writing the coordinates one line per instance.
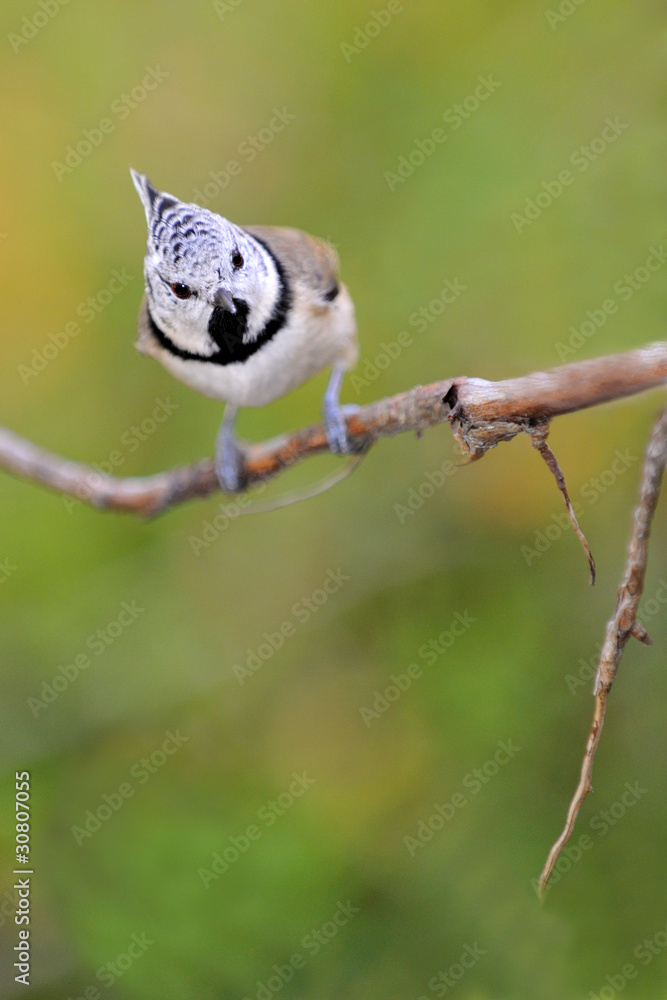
(621, 626)
(539, 441)
(482, 415)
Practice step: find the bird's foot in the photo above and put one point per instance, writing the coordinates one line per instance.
(335, 427)
(230, 464)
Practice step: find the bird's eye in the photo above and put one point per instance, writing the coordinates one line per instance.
(237, 260)
(181, 291)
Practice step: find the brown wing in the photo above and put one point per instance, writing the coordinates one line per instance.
(307, 260)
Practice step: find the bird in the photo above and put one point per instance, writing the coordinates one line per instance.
(243, 314)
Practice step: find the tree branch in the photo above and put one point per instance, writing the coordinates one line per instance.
(482, 415)
(539, 441)
(620, 627)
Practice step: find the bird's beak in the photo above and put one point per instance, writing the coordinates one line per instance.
(224, 300)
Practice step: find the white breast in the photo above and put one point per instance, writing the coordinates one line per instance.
(315, 337)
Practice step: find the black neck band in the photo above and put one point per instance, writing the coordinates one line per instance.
(227, 330)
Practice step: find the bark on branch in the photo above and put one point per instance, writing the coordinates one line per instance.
(621, 627)
(482, 415)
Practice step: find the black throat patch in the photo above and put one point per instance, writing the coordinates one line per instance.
(227, 330)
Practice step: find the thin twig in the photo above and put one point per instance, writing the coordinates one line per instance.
(582, 790)
(620, 627)
(624, 623)
(539, 441)
(482, 415)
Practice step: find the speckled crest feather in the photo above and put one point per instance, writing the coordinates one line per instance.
(180, 233)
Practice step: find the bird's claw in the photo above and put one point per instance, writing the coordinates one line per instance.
(335, 426)
(229, 465)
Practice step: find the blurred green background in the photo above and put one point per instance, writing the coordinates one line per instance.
(361, 99)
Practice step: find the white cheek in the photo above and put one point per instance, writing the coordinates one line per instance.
(187, 325)
(262, 301)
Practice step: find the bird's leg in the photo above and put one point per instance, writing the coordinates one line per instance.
(333, 414)
(228, 455)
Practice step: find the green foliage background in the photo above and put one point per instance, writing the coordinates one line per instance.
(172, 669)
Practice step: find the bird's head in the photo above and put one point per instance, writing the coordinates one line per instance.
(209, 284)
